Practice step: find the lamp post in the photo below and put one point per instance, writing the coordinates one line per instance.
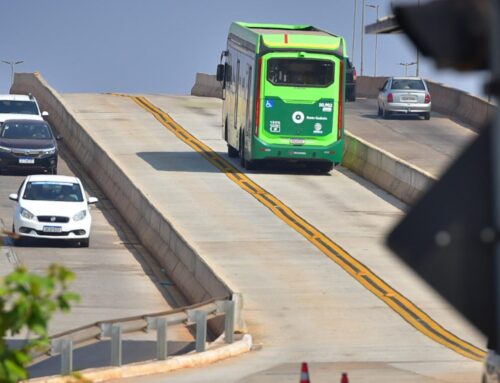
(354, 31)
(12, 64)
(418, 54)
(362, 35)
(406, 65)
(376, 7)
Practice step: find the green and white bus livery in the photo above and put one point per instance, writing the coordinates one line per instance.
(283, 90)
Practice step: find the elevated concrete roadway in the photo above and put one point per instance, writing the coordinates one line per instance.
(430, 145)
(299, 305)
(115, 276)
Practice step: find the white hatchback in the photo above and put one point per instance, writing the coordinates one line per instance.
(51, 206)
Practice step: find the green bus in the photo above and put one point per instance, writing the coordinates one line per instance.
(283, 91)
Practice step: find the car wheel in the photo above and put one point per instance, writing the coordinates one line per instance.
(19, 241)
(231, 152)
(385, 114)
(427, 116)
(85, 242)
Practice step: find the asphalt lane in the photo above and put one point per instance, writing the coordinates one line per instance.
(115, 276)
(299, 304)
(430, 145)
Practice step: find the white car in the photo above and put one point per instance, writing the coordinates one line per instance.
(19, 106)
(404, 95)
(51, 206)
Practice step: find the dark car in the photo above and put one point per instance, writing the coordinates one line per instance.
(28, 145)
(350, 82)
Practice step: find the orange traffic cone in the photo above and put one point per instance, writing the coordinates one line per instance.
(304, 374)
(344, 378)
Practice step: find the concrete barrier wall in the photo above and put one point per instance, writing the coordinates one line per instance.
(187, 268)
(456, 104)
(399, 178)
(206, 85)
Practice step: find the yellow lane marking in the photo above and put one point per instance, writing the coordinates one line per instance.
(401, 305)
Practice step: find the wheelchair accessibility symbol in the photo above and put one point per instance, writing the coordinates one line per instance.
(269, 104)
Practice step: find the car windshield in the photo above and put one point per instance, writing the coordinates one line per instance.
(53, 191)
(26, 131)
(300, 72)
(408, 84)
(18, 107)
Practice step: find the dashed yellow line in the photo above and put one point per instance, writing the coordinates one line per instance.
(396, 301)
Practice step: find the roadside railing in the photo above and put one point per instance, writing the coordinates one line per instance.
(196, 315)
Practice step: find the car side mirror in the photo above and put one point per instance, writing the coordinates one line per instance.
(45, 114)
(220, 72)
(59, 137)
(13, 197)
(92, 200)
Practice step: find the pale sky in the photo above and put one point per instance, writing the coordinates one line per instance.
(157, 46)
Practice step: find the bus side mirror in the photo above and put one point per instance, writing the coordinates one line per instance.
(220, 72)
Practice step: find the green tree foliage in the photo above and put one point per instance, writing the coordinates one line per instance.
(27, 302)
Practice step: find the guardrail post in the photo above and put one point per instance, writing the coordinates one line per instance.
(161, 339)
(239, 322)
(116, 345)
(229, 321)
(66, 351)
(200, 318)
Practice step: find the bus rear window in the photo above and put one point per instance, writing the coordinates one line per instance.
(300, 72)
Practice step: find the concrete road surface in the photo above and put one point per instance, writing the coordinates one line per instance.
(299, 304)
(430, 145)
(115, 277)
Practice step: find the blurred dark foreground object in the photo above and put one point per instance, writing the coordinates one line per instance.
(455, 33)
(448, 236)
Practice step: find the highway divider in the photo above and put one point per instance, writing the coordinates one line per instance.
(399, 178)
(185, 266)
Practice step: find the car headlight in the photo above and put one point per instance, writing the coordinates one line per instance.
(49, 151)
(26, 213)
(4, 149)
(80, 215)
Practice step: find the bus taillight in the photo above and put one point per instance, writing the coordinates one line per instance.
(257, 104)
(341, 102)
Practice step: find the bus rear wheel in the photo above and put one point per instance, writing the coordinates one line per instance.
(232, 152)
(322, 167)
(246, 164)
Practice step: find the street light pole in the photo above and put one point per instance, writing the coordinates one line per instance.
(12, 64)
(418, 55)
(376, 7)
(362, 35)
(354, 31)
(406, 65)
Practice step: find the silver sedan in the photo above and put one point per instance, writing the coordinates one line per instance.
(404, 95)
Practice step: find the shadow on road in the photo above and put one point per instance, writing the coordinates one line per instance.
(99, 355)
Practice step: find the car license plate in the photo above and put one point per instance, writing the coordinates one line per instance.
(27, 161)
(52, 229)
(409, 99)
(297, 141)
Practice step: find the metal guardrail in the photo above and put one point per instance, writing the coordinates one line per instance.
(64, 343)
